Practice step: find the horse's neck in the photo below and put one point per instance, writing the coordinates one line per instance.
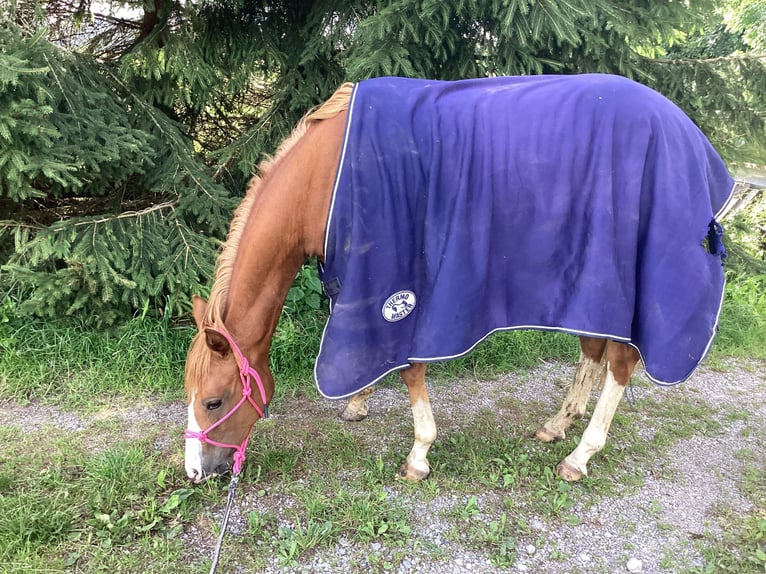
(286, 225)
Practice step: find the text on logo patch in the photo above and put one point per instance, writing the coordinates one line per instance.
(398, 306)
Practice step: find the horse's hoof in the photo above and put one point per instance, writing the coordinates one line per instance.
(406, 472)
(351, 415)
(569, 472)
(544, 435)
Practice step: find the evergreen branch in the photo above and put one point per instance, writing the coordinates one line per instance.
(8, 224)
(130, 214)
(151, 113)
(703, 61)
(61, 88)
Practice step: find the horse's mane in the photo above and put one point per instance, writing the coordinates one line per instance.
(197, 362)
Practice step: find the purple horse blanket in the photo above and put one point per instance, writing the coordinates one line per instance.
(584, 204)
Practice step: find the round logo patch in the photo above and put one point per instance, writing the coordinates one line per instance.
(398, 306)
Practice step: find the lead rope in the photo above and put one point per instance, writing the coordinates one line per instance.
(229, 500)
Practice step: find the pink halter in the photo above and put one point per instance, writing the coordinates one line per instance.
(245, 373)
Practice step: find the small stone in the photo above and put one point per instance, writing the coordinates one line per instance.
(635, 565)
(521, 567)
(375, 546)
(584, 557)
(531, 549)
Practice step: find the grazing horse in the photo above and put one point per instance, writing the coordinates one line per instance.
(441, 212)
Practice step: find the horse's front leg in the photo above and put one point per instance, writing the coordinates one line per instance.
(576, 402)
(620, 362)
(356, 409)
(416, 467)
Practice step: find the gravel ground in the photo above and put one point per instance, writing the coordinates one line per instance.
(659, 523)
(662, 521)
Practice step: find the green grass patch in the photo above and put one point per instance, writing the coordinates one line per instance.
(742, 329)
(509, 351)
(79, 368)
(65, 507)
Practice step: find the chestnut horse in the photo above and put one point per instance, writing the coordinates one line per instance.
(281, 222)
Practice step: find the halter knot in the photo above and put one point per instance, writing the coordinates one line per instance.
(239, 459)
(199, 435)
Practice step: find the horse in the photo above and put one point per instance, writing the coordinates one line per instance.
(603, 198)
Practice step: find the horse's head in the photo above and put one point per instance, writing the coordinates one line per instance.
(226, 396)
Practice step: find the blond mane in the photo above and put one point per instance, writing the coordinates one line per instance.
(197, 361)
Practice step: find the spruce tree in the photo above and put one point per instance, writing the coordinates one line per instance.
(105, 208)
(127, 137)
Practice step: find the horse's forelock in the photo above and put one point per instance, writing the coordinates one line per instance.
(197, 364)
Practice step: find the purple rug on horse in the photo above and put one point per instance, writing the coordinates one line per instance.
(583, 204)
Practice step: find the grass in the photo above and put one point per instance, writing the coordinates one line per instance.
(75, 367)
(92, 501)
(743, 319)
(64, 506)
(124, 505)
(78, 368)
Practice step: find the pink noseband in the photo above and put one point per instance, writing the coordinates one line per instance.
(245, 373)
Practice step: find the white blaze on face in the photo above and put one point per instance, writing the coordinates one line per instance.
(193, 446)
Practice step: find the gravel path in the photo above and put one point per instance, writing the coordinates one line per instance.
(656, 528)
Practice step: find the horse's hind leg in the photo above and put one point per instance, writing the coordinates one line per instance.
(356, 409)
(620, 361)
(576, 402)
(416, 467)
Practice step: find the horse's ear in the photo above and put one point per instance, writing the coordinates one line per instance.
(217, 342)
(199, 306)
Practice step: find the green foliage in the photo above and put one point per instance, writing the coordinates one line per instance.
(125, 143)
(743, 318)
(747, 17)
(305, 296)
(28, 135)
(42, 359)
(122, 494)
(718, 77)
(112, 214)
(468, 38)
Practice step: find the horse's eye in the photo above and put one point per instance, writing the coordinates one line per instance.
(213, 404)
